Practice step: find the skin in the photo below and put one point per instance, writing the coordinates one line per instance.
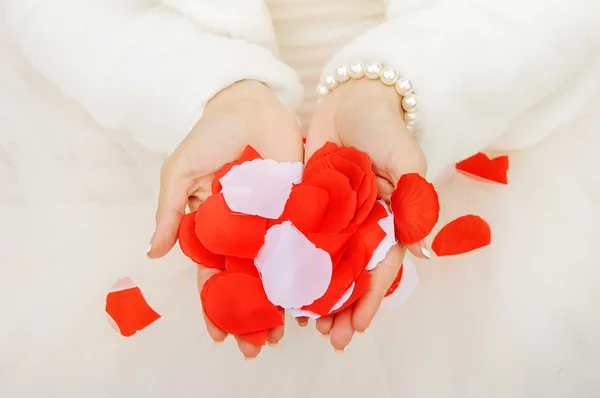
(363, 114)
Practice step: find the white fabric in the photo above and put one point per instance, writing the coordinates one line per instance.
(478, 67)
(518, 319)
(143, 68)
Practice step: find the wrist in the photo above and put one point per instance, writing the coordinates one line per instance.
(243, 93)
(361, 90)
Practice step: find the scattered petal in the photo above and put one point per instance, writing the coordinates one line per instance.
(256, 338)
(191, 246)
(465, 234)
(325, 150)
(341, 278)
(387, 225)
(416, 208)
(407, 282)
(342, 300)
(306, 208)
(127, 308)
(342, 199)
(293, 270)
(260, 187)
(241, 265)
(248, 154)
(330, 242)
(361, 285)
(223, 232)
(480, 165)
(236, 303)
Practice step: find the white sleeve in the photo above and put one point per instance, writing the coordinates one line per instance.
(477, 65)
(149, 69)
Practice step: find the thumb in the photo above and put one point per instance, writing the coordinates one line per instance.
(171, 208)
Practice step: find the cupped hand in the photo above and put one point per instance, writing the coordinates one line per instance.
(367, 115)
(246, 113)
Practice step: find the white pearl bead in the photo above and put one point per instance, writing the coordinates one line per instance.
(322, 90)
(373, 70)
(342, 74)
(410, 117)
(330, 82)
(404, 86)
(389, 76)
(357, 70)
(409, 103)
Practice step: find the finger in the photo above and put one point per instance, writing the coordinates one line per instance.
(203, 275)
(324, 324)
(249, 350)
(342, 330)
(171, 207)
(302, 321)
(381, 279)
(276, 333)
(420, 250)
(214, 332)
(384, 189)
(193, 203)
(321, 131)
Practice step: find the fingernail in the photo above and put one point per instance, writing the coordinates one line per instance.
(338, 351)
(272, 343)
(360, 333)
(249, 358)
(325, 336)
(303, 324)
(219, 342)
(148, 251)
(426, 252)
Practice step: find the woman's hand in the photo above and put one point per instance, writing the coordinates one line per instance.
(367, 115)
(246, 113)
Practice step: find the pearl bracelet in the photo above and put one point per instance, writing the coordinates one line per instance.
(373, 71)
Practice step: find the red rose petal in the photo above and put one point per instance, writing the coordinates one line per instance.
(129, 310)
(241, 265)
(236, 303)
(342, 199)
(349, 267)
(362, 160)
(330, 242)
(370, 234)
(368, 204)
(465, 234)
(361, 286)
(395, 283)
(256, 338)
(480, 165)
(191, 246)
(306, 208)
(416, 208)
(336, 162)
(227, 233)
(325, 150)
(247, 155)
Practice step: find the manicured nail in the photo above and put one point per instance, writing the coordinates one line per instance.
(360, 333)
(303, 324)
(272, 343)
(148, 251)
(325, 336)
(249, 358)
(219, 342)
(426, 252)
(338, 351)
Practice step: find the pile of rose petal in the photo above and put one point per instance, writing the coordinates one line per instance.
(299, 238)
